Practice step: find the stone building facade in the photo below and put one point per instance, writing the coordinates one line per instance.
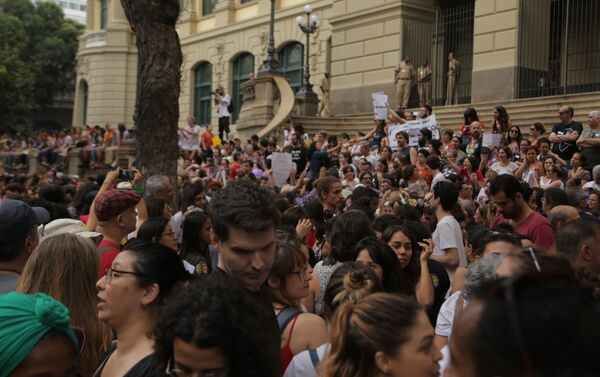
(359, 42)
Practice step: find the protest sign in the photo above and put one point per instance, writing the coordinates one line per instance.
(281, 164)
(380, 105)
(490, 139)
(412, 128)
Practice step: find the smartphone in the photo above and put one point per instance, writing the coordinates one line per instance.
(126, 175)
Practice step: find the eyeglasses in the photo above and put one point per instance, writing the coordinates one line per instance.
(302, 274)
(367, 178)
(536, 263)
(515, 131)
(173, 371)
(563, 112)
(110, 274)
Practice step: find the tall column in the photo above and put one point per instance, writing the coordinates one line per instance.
(495, 50)
(91, 15)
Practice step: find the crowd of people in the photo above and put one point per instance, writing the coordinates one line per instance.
(96, 146)
(375, 258)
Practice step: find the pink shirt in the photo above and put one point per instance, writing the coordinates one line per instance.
(535, 227)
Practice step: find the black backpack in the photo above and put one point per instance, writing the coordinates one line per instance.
(230, 107)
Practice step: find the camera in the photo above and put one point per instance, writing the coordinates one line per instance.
(126, 175)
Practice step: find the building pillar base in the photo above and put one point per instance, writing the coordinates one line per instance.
(307, 105)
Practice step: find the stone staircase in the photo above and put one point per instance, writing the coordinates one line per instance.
(522, 112)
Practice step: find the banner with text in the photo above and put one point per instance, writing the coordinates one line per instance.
(412, 127)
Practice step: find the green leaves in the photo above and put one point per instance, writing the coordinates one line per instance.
(37, 57)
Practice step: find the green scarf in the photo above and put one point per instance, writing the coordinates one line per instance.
(24, 320)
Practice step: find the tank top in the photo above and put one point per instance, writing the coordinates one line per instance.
(287, 355)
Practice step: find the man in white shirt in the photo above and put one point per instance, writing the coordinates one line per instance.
(222, 100)
(449, 248)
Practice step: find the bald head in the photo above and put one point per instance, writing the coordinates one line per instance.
(562, 214)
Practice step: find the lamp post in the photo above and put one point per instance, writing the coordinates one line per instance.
(270, 64)
(308, 27)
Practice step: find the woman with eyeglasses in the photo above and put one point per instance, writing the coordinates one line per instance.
(130, 294)
(289, 283)
(536, 132)
(514, 140)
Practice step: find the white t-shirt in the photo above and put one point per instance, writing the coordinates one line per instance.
(302, 365)
(445, 318)
(222, 111)
(192, 140)
(439, 177)
(448, 235)
(509, 169)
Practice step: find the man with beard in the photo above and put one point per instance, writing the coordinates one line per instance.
(508, 197)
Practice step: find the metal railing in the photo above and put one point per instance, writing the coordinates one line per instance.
(559, 47)
(434, 36)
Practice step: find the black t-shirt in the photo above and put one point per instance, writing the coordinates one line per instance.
(566, 149)
(146, 367)
(441, 284)
(299, 157)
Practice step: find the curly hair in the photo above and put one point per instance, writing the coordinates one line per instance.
(224, 316)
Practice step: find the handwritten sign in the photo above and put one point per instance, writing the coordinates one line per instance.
(490, 139)
(281, 163)
(412, 128)
(379, 105)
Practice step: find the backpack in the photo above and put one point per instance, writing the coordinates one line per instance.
(230, 107)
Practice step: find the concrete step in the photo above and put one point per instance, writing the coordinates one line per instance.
(522, 112)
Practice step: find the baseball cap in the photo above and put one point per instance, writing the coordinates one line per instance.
(65, 226)
(112, 203)
(17, 218)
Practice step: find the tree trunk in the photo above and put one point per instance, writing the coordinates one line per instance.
(159, 75)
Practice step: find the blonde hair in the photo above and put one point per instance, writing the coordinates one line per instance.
(379, 322)
(66, 267)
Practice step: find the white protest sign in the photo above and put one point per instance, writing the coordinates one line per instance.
(490, 139)
(281, 164)
(412, 127)
(379, 105)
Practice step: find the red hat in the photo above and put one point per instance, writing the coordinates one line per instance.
(112, 203)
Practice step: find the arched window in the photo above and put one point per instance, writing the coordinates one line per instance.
(202, 89)
(84, 97)
(291, 59)
(103, 14)
(243, 66)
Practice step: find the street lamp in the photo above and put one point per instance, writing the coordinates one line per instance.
(308, 26)
(270, 65)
